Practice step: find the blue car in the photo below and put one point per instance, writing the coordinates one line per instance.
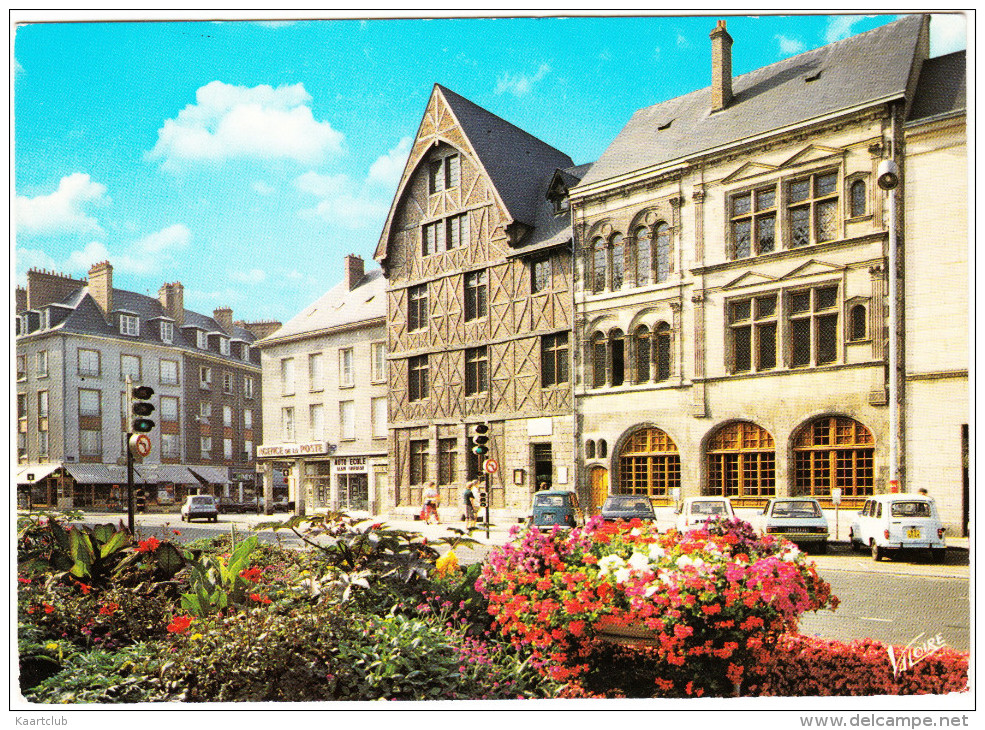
(627, 507)
(556, 507)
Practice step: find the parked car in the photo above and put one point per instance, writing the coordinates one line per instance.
(896, 522)
(233, 507)
(694, 511)
(798, 519)
(627, 507)
(556, 507)
(200, 506)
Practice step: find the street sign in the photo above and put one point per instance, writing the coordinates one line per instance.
(140, 445)
(491, 466)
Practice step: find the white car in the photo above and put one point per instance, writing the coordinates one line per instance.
(798, 519)
(899, 522)
(695, 510)
(200, 505)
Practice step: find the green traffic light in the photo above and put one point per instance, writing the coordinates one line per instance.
(142, 425)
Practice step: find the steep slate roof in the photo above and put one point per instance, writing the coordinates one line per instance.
(517, 162)
(942, 87)
(859, 71)
(550, 229)
(339, 306)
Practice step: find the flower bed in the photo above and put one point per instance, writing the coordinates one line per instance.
(710, 601)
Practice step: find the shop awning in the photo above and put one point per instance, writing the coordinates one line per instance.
(165, 473)
(102, 474)
(210, 474)
(36, 472)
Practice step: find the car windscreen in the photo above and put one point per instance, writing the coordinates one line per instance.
(910, 509)
(549, 500)
(796, 509)
(203, 500)
(708, 508)
(628, 503)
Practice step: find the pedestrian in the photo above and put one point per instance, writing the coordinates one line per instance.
(542, 486)
(431, 501)
(468, 498)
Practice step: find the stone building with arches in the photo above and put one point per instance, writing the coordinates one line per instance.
(731, 283)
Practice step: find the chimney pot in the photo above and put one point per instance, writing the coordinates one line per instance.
(224, 316)
(101, 286)
(354, 271)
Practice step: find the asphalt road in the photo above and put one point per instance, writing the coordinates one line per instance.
(895, 601)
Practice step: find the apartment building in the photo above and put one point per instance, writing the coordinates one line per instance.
(325, 398)
(77, 343)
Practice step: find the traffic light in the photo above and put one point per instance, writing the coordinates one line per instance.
(141, 408)
(481, 439)
(482, 497)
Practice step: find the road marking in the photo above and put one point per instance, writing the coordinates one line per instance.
(870, 618)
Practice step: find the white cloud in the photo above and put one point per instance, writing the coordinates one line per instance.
(682, 41)
(521, 84)
(387, 169)
(840, 27)
(161, 243)
(789, 46)
(948, 33)
(151, 254)
(342, 201)
(253, 276)
(30, 258)
(261, 188)
(92, 253)
(63, 211)
(258, 123)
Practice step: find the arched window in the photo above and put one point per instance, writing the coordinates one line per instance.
(643, 256)
(589, 449)
(834, 451)
(598, 265)
(858, 198)
(618, 262)
(603, 449)
(599, 352)
(856, 322)
(617, 348)
(641, 342)
(663, 252)
(649, 464)
(661, 336)
(741, 461)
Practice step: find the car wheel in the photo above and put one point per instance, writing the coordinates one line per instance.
(877, 552)
(938, 555)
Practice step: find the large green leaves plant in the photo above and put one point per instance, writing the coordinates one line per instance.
(217, 583)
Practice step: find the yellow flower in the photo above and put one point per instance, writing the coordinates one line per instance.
(195, 637)
(447, 563)
(51, 646)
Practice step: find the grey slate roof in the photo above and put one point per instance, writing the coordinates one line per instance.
(550, 229)
(942, 87)
(338, 307)
(517, 162)
(854, 72)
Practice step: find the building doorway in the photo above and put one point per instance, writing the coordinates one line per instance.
(599, 476)
(543, 467)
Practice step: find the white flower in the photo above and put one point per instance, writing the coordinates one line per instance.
(636, 532)
(684, 561)
(791, 554)
(656, 552)
(698, 562)
(610, 563)
(650, 591)
(667, 578)
(622, 575)
(639, 561)
(711, 548)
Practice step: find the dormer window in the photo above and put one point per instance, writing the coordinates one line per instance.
(129, 325)
(223, 346)
(245, 352)
(45, 319)
(167, 332)
(202, 340)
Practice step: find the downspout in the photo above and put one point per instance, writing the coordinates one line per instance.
(894, 405)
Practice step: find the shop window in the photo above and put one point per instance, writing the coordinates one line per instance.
(649, 464)
(741, 461)
(834, 451)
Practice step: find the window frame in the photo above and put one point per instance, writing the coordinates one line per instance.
(287, 376)
(378, 361)
(417, 458)
(164, 410)
(539, 264)
(812, 204)
(161, 374)
(347, 364)
(554, 350)
(476, 295)
(379, 433)
(417, 308)
(129, 325)
(41, 364)
(167, 332)
(754, 216)
(476, 371)
(418, 385)
(447, 461)
(98, 402)
(248, 385)
(140, 367)
(316, 372)
(204, 377)
(813, 316)
(88, 372)
(288, 426)
(347, 420)
(755, 323)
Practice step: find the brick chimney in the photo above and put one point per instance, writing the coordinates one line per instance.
(354, 271)
(260, 329)
(721, 67)
(101, 286)
(224, 316)
(21, 300)
(46, 287)
(172, 299)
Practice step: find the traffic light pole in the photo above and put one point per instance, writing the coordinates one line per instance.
(487, 504)
(129, 458)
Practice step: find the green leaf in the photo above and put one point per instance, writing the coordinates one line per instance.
(116, 541)
(60, 534)
(80, 548)
(168, 559)
(103, 533)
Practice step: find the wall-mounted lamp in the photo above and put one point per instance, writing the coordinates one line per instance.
(518, 475)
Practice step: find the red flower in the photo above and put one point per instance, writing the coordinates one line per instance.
(179, 624)
(576, 628)
(108, 609)
(48, 608)
(258, 598)
(85, 589)
(176, 532)
(149, 545)
(252, 574)
(25, 581)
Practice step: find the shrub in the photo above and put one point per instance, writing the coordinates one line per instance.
(708, 600)
(99, 676)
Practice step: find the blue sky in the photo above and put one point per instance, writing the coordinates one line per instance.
(245, 159)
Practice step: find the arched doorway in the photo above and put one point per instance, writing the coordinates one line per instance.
(741, 462)
(599, 477)
(834, 451)
(649, 464)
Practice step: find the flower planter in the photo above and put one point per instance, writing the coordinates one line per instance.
(632, 634)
